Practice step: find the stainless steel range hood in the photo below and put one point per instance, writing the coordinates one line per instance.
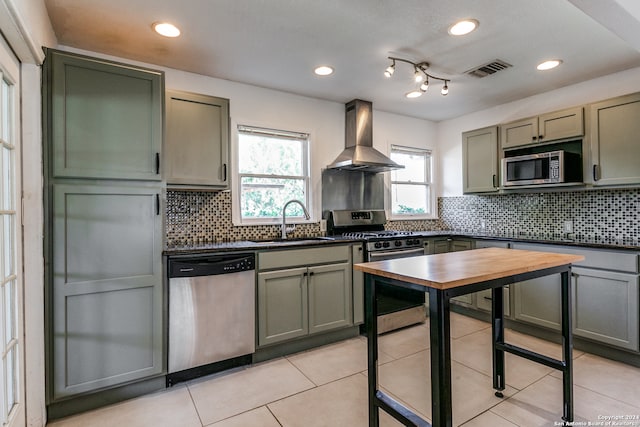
(359, 154)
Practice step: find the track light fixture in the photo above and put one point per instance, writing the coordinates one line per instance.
(420, 75)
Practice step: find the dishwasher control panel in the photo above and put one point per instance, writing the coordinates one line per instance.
(211, 265)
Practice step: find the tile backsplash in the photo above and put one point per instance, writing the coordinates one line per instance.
(201, 217)
(594, 214)
(195, 217)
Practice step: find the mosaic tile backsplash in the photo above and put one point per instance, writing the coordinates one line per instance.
(195, 217)
(205, 217)
(612, 214)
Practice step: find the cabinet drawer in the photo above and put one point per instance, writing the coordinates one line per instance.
(309, 256)
(607, 259)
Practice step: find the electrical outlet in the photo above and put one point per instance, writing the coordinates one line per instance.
(323, 225)
(568, 226)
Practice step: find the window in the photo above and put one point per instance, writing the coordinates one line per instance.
(11, 290)
(273, 168)
(411, 192)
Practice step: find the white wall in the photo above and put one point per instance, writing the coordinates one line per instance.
(449, 131)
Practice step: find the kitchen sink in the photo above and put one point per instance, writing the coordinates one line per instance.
(296, 241)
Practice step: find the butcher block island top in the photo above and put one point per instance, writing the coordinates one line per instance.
(454, 269)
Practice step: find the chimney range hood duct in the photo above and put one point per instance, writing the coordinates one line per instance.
(359, 154)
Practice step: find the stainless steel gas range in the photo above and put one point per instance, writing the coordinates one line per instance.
(398, 307)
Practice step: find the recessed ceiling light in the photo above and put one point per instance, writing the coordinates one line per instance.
(547, 65)
(166, 29)
(323, 70)
(413, 94)
(463, 27)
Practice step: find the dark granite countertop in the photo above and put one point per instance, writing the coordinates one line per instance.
(596, 242)
(248, 245)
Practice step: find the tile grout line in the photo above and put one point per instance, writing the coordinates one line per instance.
(193, 402)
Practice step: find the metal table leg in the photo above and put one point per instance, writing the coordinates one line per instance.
(567, 347)
(371, 313)
(497, 332)
(441, 412)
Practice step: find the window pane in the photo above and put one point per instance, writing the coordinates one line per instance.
(409, 199)
(6, 201)
(8, 245)
(9, 312)
(265, 197)
(6, 111)
(11, 385)
(263, 155)
(414, 167)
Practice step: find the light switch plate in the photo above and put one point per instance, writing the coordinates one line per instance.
(323, 225)
(568, 227)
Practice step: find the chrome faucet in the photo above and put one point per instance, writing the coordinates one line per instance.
(284, 217)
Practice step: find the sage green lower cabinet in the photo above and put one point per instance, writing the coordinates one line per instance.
(107, 287)
(537, 301)
(606, 306)
(282, 305)
(330, 299)
(303, 292)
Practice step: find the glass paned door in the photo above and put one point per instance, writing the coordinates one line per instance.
(12, 412)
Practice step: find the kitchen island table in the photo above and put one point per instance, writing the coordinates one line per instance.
(448, 275)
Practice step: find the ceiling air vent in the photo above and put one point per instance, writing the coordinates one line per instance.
(488, 69)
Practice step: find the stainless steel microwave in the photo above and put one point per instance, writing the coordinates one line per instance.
(553, 167)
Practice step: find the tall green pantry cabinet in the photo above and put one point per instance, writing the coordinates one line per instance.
(103, 130)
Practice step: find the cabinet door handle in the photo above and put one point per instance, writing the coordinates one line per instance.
(487, 298)
(311, 274)
(224, 172)
(157, 163)
(494, 181)
(534, 137)
(157, 204)
(540, 137)
(595, 172)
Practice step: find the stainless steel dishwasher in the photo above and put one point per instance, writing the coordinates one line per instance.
(211, 314)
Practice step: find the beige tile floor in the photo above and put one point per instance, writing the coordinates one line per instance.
(327, 386)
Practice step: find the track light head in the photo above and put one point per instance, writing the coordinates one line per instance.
(390, 69)
(417, 75)
(445, 89)
(424, 86)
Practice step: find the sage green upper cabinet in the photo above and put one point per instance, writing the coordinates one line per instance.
(197, 141)
(615, 141)
(480, 160)
(544, 128)
(106, 288)
(106, 118)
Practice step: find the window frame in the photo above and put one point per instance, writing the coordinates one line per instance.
(429, 184)
(305, 138)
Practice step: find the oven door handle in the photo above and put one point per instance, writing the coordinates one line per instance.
(395, 253)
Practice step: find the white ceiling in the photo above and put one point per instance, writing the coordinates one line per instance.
(277, 43)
